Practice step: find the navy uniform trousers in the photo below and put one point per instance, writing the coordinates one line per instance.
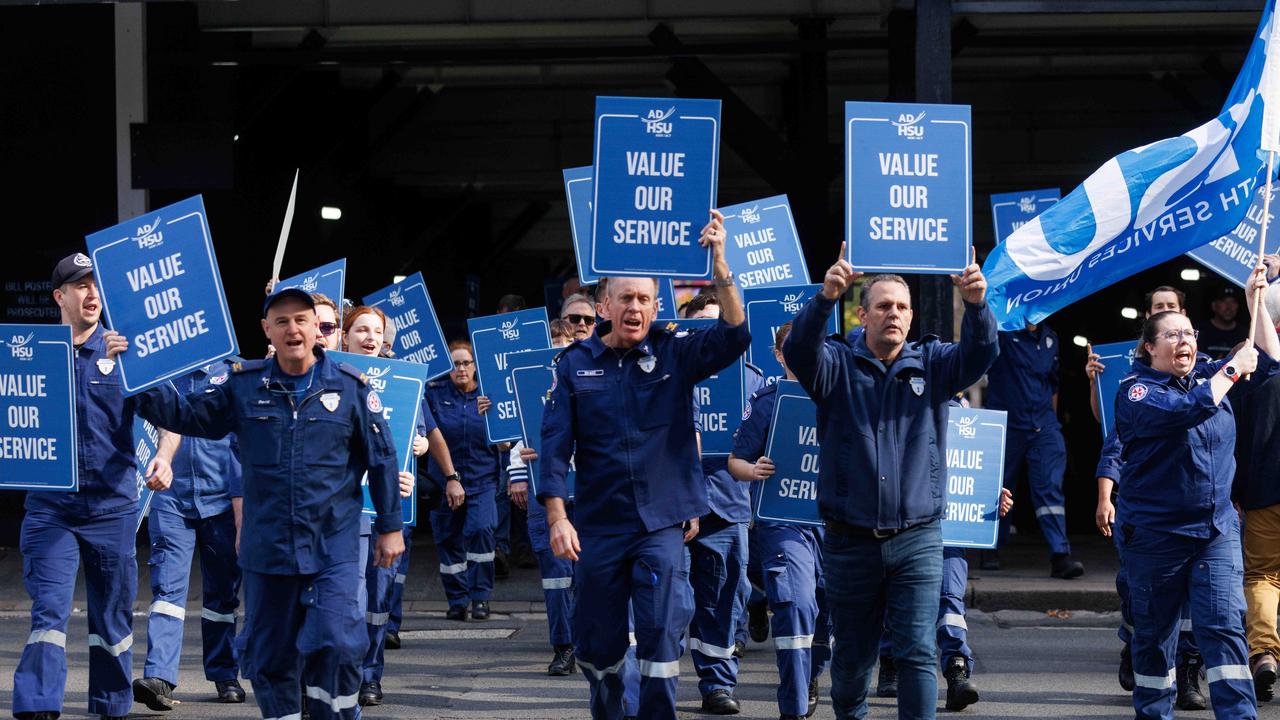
(174, 541)
(718, 574)
(791, 557)
(465, 544)
(52, 547)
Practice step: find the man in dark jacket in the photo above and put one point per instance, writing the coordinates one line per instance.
(882, 413)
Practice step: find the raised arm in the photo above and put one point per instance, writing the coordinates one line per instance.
(805, 350)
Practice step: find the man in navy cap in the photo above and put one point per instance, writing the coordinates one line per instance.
(308, 428)
(621, 402)
(95, 524)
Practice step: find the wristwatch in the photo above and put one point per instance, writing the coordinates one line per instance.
(454, 476)
(1231, 372)
(725, 282)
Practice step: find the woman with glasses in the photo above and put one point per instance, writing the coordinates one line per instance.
(580, 315)
(464, 528)
(1179, 534)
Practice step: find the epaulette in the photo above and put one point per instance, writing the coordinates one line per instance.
(354, 372)
(1127, 378)
(248, 365)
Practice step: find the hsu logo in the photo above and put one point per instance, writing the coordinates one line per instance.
(310, 284)
(791, 302)
(751, 215)
(1027, 205)
(909, 126)
(655, 123)
(148, 236)
(20, 347)
(509, 330)
(966, 426)
(1129, 355)
(376, 379)
(396, 298)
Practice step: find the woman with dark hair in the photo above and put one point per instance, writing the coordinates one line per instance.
(1179, 534)
(464, 527)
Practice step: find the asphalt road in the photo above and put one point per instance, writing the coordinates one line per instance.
(1029, 666)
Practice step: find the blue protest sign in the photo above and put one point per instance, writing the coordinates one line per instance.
(907, 187)
(721, 397)
(146, 441)
(419, 338)
(577, 193)
(769, 309)
(161, 289)
(791, 494)
(1010, 211)
(1235, 255)
(666, 300)
(399, 386)
(654, 166)
(532, 380)
(975, 475)
(37, 399)
(1118, 357)
(330, 280)
(495, 338)
(761, 244)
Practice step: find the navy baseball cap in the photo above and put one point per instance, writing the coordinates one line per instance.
(71, 268)
(289, 292)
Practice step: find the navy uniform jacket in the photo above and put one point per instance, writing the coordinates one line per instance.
(1179, 449)
(206, 473)
(1024, 379)
(626, 415)
(883, 431)
(728, 498)
(104, 440)
(302, 462)
(462, 425)
(1109, 463)
(752, 436)
(1258, 477)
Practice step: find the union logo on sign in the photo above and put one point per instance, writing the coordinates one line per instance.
(656, 122)
(909, 126)
(791, 302)
(1027, 205)
(148, 236)
(20, 347)
(509, 330)
(376, 379)
(966, 427)
(396, 298)
(310, 283)
(751, 215)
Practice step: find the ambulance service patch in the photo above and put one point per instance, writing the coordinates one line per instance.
(1137, 392)
(374, 403)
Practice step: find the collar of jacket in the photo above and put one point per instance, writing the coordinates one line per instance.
(910, 357)
(327, 372)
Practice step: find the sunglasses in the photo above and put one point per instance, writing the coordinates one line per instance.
(327, 328)
(574, 319)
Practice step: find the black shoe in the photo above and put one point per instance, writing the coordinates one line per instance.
(887, 684)
(392, 641)
(370, 694)
(1061, 565)
(1188, 675)
(153, 692)
(961, 692)
(989, 559)
(501, 566)
(457, 612)
(229, 691)
(739, 649)
(564, 662)
(720, 702)
(41, 715)
(758, 621)
(813, 698)
(1264, 677)
(480, 610)
(1126, 669)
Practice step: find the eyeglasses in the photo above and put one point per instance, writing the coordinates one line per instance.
(459, 364)
(574, 319)
(1174, 336)
(327, 328)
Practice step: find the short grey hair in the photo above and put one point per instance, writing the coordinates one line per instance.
(867, 284)
(575, 298)
(605, 282)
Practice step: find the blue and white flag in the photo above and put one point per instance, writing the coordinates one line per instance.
(1144, 206)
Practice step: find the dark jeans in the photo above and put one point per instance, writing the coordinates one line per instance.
(892, 583)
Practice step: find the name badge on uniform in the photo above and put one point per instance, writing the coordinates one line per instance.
(648, 363)
(106, 365)
(591, 373)
(917, 385)
(330, 401)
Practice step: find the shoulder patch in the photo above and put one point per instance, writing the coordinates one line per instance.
(373, 402)
(354, 372)
(248, 365)
(1137, 392)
